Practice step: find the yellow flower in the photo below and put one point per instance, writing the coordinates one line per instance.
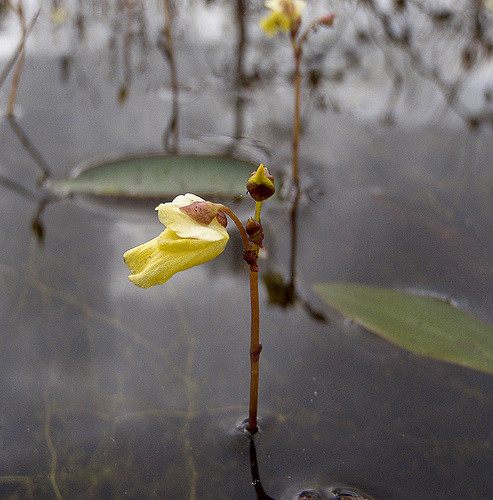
(285, 14)
(184, 243)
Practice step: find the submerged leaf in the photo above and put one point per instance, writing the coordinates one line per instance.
(421, 324)
(160, 176)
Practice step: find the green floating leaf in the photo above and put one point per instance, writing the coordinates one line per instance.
(421, 324)
(161, 176)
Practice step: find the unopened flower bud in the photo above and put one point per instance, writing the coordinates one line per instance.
(261, 184)
(255, 232)
(201, 211)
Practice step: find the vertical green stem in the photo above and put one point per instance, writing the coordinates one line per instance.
(258, 206)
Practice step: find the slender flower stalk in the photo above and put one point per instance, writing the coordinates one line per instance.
(196, 233)
(255, 346)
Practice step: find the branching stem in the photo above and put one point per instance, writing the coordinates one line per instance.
(255, 346)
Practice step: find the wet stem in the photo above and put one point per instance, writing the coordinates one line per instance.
(255, 346)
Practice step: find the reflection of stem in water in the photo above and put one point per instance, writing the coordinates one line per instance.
(295, 152)
(191, 389)
(18, 188)
(37, 225)
(127, 50)
(31, 149)
(20, 47)
(296, 122)
(51, 448)
(20, 63)
(166, 47)
(240, 77)
(257, 484)
(294, 242)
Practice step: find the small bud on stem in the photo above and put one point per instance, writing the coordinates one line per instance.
(261, 184)
(255, 232)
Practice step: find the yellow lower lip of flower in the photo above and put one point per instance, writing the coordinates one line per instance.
(275, 22)
(154, 262)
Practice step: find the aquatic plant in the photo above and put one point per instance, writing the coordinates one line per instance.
(196, 233)
(286, 16)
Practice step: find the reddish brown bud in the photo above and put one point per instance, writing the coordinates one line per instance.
(261, 184)
(255, 232)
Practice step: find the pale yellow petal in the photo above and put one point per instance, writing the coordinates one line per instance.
(275, 22)
(299, 7)
(154, 262)
(183, 225)
(274, 4)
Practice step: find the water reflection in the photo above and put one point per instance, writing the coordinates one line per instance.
(108, 391)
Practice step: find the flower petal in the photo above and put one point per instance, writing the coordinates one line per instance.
(275, 22)
(183, 225)
(154, 262)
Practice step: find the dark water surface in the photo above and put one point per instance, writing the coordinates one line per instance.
(109, 391)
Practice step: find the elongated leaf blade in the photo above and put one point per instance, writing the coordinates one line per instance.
(161, 176)
(421, 324)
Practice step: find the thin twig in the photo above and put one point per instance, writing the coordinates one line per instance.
(10, 63)
(31, 149)
(20, 63)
